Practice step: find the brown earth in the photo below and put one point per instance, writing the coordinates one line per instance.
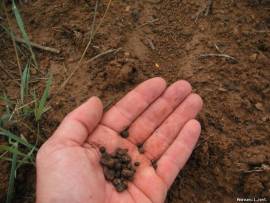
(163, 38)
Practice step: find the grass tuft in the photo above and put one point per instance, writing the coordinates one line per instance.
(25, 82)
(23, 31)
(40, 106)
(16, 138)
(12, 176)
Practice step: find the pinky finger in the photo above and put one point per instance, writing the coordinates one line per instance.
(174, 159)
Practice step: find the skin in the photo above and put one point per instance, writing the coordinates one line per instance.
(160, 117)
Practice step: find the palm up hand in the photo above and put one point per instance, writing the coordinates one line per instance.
(160, 118)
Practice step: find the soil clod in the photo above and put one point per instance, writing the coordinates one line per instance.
(118, 168)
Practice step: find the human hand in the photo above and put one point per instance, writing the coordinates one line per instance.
(160, 118)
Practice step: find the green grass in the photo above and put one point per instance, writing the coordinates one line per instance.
(17, 149)
(40, 105)
(12, 176)
(25, 82)
(23, 31)
(16, 138)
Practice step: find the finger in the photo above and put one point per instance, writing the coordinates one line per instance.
(174, 159)
(133, 104)
(77, 125)
(144, 125)
(162, 138)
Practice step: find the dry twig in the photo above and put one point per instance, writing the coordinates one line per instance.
(38, 46)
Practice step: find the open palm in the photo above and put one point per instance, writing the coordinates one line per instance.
(160, 118)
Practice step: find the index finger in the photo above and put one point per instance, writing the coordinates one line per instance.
(123, 113)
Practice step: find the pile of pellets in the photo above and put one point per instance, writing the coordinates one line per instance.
(118, 168)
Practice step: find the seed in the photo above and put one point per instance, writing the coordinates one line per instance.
(124, 133)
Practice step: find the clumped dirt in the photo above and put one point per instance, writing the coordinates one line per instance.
(118, 168)
(168, 38)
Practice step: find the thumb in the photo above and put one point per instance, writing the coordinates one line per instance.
(78, 124)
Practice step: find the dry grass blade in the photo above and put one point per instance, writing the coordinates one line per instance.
(11, 136)
(219, 55)
(38, 46)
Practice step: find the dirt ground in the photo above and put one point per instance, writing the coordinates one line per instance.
(172, 39)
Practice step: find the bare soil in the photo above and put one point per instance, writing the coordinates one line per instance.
(168, 38)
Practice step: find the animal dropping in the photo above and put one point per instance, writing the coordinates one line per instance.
(118, 168)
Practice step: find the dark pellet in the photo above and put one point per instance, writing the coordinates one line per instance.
(127, 173)
(124, 133)
(154, 164)
(141, 149)
(118, 168)
(137, 163)
(121, 187)
(109, 162)
(108, 173)
(102, 150)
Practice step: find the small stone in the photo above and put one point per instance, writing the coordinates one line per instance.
(253, 57)
(259, 106)
(127, 9)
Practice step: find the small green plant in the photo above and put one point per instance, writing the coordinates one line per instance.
(40, 105)
(13, 149)
(25, 82)
(23, 31)
(12, 176)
